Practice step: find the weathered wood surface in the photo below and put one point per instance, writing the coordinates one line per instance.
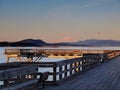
(10, 65)
(20, 85)
(62, 69)
(18, 77)
(104, 77)
(15, 72)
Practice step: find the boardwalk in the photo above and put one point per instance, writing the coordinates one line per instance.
(102, 77)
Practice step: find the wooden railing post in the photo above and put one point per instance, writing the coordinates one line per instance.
(65, 69)
(75, 67)
(54, 74)
(71, 66)
(78, 67)
(60, 70)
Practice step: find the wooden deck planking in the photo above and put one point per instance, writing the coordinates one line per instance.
(107, 79)
(102, 77)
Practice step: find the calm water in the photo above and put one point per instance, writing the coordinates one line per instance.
(2, 56)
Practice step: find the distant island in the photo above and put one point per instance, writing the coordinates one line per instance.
(40, 43)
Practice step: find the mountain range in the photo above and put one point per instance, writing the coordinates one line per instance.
(39, 43)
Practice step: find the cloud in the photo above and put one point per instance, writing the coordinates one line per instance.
(68, 9)
(88, 4)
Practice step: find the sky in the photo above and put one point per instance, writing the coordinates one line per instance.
(59, 20)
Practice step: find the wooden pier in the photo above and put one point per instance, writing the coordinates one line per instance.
(65, 69)
(103, 77)
(95, 70)
(35, 55)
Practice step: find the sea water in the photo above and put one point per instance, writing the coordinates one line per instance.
(2, 56)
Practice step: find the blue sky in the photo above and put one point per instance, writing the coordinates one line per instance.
(59, 20)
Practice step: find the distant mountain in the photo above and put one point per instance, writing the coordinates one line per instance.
(39, 43)
(93, 42)
(25, 43)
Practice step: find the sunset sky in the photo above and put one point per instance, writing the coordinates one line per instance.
(59, 20)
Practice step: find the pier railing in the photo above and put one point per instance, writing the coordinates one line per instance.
(44, 51)
(62, 70)
(17, 77)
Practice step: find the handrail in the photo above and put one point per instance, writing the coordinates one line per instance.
(18, 77)
(65, 69)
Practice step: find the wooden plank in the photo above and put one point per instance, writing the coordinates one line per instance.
(9, 64)
(40, 64)
(64, 62)
(10, 73)
(20, 85)
(71, 70)
(54, 74)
